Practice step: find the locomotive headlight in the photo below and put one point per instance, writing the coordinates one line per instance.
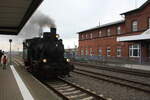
(44, 60)
(57, 35)
(68, 60)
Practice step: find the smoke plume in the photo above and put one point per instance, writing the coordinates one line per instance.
(35, 25)
(42, 20)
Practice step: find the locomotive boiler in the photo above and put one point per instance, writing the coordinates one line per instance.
(44, 56)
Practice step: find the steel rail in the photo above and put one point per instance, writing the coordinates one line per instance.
(89, 93)
(131, 71)
(111, 80)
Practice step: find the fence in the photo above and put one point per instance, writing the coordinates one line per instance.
(113, 61)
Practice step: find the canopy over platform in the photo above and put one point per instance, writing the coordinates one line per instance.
(15, 13)
(144, 36)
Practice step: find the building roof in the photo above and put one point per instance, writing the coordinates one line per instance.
(104, 25)
(144, 36)
(15, 13)
(137, 9)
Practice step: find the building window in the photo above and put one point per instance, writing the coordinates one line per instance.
(118, 52)
(149, 22)
(86, 36)
(108, 32)
(134, 50)
(118, 30)
(100, 52)
(91, 35)
(82, 52)
(91, 51)
(135, 26)
(108, 51)
(86, 52)
(100, 34)
(82, 37)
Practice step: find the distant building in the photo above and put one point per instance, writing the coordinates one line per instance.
(111, 39)
(71, 53)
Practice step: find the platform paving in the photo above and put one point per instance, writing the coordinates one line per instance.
(9, 89)
(36, 88)
(140, 67)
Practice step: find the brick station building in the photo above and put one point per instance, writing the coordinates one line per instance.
(111, 40)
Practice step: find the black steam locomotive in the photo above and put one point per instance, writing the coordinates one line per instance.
(45, 56)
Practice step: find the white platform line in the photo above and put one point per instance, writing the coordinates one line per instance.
(24, 91)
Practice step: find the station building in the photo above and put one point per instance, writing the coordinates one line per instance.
(128, 38)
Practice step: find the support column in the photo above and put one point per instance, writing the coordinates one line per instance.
(141, 54)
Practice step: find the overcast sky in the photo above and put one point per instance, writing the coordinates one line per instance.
(72, 16)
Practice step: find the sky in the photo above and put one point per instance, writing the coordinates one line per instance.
(73, 16)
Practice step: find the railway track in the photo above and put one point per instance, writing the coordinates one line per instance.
(75, 92)
(71, 91)
(136, 72)
(116, 80)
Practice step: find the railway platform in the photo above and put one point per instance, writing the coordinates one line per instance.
(17, 84)
(140, 67)
(8, 86)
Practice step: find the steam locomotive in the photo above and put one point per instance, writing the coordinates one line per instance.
(45, 56)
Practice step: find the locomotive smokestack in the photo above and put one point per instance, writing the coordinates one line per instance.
(53, 30)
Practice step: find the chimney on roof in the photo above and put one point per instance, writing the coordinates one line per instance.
(99, 24)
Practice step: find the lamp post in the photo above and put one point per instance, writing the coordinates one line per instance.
(10, 41)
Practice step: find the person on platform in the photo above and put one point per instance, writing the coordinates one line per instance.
(1, 54)
(4, 61)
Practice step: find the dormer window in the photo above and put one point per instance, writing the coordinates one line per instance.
(135, 26)
(100, 33)
(118, 30)
(108, 32)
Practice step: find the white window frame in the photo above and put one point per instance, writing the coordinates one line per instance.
(100, 51)
(91, 50)
(82, 52)
(119, 51)
(91, 35)
(135, 26)
(86, 36)
(108, 32)
(82, 36)
(108, 50)
(100, 34)
(132, 49)
(86, 51)
(118, 30)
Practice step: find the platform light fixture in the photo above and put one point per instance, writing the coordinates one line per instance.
(10, 41)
